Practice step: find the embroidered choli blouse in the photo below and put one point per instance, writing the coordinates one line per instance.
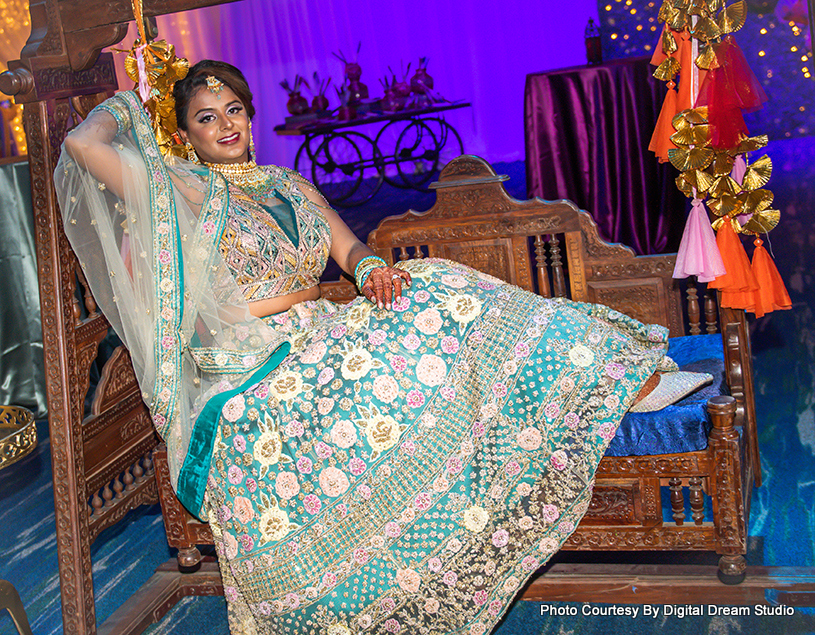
(276, 249)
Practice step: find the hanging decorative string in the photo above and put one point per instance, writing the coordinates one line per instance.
(154, 67)
(704, 136)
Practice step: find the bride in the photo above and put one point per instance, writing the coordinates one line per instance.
(400, 464)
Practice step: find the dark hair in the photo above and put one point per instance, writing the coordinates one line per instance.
(185, 89)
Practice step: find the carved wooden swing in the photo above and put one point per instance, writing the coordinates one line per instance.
(106, 458)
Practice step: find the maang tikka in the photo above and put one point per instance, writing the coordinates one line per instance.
(215, 85)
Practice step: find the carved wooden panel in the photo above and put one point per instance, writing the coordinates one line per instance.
(664, 466)
(663, 538)
(490, 256)
(641, 299)
(612, 504)
(116, 382)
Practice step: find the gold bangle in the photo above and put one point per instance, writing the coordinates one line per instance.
(18, 434)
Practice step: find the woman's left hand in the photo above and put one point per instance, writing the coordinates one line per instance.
(385, 284)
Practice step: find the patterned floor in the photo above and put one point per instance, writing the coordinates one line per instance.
(782, 526)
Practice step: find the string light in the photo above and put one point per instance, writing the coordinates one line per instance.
(632, 28)
(17, 131)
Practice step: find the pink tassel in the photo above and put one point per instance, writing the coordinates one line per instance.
(739, 169)
(698, 254)
(144, 85)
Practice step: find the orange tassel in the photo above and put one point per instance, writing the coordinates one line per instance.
(661, 139)
(685, 56)
(659, 55)
(739, 284)
(772, 294)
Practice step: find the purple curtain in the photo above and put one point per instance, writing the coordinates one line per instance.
(479, 51)
(587, 132)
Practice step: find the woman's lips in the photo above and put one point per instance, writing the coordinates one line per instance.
(230, 139)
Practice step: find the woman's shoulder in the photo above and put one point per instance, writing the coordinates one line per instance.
(285, 174)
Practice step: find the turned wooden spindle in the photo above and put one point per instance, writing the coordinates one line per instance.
(76, 309)
(557, 267)
(127, 479)
(693, 307)
(138, 472)
(90, 303)
(722, 411)
(107, 494)
(403, 253)
(542, 267)
(697, 502)
(710, 311)
(96, 504)
(148, 464)
(118, 488)
(418, 254)
(677, 500)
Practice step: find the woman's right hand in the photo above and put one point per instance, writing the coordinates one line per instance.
(384, 284)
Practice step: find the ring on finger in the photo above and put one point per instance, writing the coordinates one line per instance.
(395, 276)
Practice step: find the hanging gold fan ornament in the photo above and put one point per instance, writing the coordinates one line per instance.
(757, 174)
(154, 67)
(734, 190)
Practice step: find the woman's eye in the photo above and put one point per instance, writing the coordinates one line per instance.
(205, 119)
(235, 110)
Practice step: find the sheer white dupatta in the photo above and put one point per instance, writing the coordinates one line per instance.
(146, 233)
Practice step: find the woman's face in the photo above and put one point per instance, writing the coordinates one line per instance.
(217, 126)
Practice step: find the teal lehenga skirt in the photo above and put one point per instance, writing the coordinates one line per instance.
(407, 471)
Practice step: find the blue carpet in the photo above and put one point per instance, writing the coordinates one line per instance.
(782, 523)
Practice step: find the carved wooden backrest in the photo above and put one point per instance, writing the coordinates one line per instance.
(547, 247)
(101, 444)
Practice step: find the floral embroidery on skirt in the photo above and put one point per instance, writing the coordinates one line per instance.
(407, 471)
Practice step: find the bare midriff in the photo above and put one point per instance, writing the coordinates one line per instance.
(262, 308)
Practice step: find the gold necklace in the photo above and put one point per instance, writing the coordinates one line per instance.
(249, 177)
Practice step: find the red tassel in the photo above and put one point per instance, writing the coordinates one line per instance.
(661, 139)
(739, 284)
(772, 294)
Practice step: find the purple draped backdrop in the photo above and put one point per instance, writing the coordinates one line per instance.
(479, 51)
(586, 129)
(587, 135)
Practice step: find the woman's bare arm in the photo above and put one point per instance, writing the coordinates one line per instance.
(384, 283)
(90, 146)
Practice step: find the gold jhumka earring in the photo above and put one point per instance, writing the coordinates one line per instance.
(192, 156)
(252, 155)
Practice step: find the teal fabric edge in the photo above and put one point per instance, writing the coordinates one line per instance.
(192, 479)
(289, 223)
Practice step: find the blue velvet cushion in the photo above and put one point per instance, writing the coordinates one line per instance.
(684, 426)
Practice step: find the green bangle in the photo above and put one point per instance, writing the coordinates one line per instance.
(368, 259)
(364, 268)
